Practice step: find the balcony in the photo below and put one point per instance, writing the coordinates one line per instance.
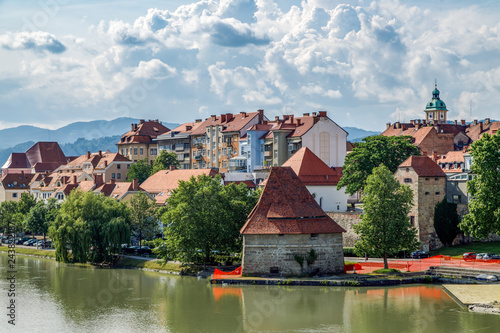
(197, 157)
(179, 147)
(268, 153)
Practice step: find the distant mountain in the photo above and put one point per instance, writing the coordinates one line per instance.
(82, 146)
(11, 137)
(357, 134)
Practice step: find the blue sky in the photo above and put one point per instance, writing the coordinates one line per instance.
(366, 63)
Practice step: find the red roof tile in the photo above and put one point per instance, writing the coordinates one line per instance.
(424, 166)
(311, 169)
(167, 180)
(248, 183)
(143, 132)
(287, 207)
(231, 122)
(16, 181)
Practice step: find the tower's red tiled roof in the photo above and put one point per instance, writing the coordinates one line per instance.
(143, 132)
(424, 166)
(287, 207)
(311, 169)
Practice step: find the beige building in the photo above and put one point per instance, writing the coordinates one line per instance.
(138, 143)
(428, 183)
(13, 185)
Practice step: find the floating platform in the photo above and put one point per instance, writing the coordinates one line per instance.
(479, 298)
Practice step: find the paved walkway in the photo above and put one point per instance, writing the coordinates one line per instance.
(474, 294)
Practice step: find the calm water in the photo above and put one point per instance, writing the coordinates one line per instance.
(53, 297)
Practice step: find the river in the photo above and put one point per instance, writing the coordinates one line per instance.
(52, 297)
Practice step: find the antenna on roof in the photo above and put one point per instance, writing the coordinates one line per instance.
(435, 83)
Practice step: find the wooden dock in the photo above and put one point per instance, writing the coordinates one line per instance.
(475, 296)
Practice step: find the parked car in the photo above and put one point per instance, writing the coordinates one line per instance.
(30, 242)
(144, 250)
(420, 254)
(481, 255)
(491, 256)
(469, 255)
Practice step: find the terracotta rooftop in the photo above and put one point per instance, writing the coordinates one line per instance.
(167, 180)
(231, 122)
(16, 181)
(311, 169)
(424, 166)
(451, 162)
(287, 207)
(143, 132)
(476, 131)
(43, 156)
(248, 183)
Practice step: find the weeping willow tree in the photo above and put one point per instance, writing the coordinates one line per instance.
(92, 226)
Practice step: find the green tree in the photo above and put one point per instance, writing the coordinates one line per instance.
(385, 227)
(164, 161)
(143, 210)
(25, 203)
(10, 217)
(446, 221)
(204, 216)
(370, 153)
(41, 216)
(139, 170)
(484, 188)
(94, 227)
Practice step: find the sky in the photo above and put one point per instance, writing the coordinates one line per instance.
(366, 63)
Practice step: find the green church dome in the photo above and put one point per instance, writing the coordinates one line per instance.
(435, 103)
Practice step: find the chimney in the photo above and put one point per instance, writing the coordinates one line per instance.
(419, 121)
(475, 121)
(261, 115)
(141, 121)
(456, 122)
(277, 118)
(243, 114)
(213, 117)
(314, 114)
(291, 119)
(112, 181)
(172, 167)
(322, 113)
(462, 122)
(188, 128)
(135, 127)
(305, 114)
(135, 184)
(388, 125)
(480, 127)
(197, 121)
(464, 148)
(105, 164)
(297, 121)
(98, 180)
(434, 156)
(132, 127)
(424, 153)
(412, 122)
(424, 121)
(222, 118)
(74, 180)
(486, 121)
(88, 154)
(100, 153)
(398, 125)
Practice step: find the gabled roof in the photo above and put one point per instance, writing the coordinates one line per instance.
(311, 169)
(248, 183)
(168, 180)
(287, 207)
(43, 156)
(17, 181)
(424, 166)
(143, 132)
(231, 122)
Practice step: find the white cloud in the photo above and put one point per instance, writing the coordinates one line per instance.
(154, 69)
(37, 41)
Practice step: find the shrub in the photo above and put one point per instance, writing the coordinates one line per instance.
(349, 252)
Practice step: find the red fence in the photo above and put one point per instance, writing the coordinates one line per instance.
(424, 264)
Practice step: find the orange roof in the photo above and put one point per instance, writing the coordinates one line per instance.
(187, 127)
(168, 180)
(231, 122)
(143, 132)
(311, 169)
(287, 207)
(16, 181)
(475, 132)
(452, 161)
(424, 166)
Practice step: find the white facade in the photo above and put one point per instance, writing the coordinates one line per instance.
(329, 198)
(327, 140)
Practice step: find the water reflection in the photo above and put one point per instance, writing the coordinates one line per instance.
(60, 298)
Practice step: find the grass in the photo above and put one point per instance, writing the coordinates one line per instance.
(34, 251)
(387, 271)
(478, 247)
(149, 264)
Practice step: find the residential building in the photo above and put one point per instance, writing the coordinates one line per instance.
(13, 185)
(319, 179)
(41, 157)
(287, 222)
(106, 166)
(178, 141)
(476, 130)
(159, 185)
(216, 140)
(138, 143)
(428, 183)
(274, 142)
